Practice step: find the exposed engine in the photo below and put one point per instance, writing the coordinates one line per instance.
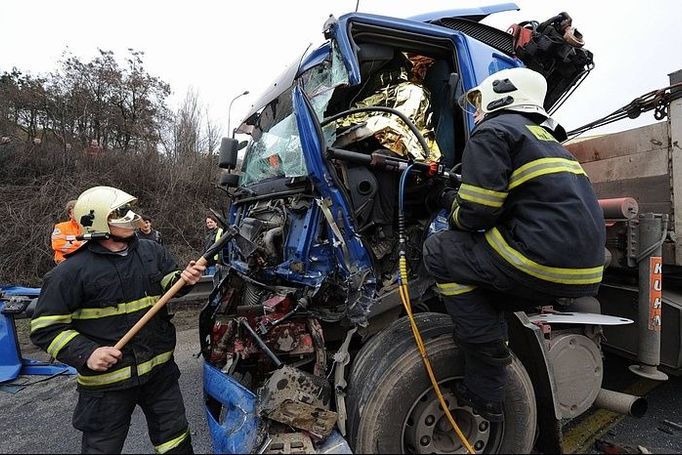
(296, 341)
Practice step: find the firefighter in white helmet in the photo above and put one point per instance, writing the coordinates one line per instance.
(525, 228)
(90, 301)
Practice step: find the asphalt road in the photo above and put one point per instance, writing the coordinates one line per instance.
(37, 419)
(659, 431)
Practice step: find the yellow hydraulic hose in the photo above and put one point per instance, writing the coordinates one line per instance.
(405, 297)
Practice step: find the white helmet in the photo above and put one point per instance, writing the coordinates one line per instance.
(101, 206)
(516, 89)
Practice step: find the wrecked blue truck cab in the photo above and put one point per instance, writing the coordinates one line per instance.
(303, 338)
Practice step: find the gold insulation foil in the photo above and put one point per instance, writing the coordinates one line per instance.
(404, 92)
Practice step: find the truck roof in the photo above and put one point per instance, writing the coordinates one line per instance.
(305, 60)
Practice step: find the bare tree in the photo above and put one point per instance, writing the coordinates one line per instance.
(213, 134)
(47, 121)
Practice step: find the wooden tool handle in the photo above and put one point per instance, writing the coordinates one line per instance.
(155, 309)
(229, 234)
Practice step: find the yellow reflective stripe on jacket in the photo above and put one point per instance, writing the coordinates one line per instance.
(482, 195)
(541, 133)
(121, 308)
(166, 280)
(124, 373)
(147, 366)
(60, 341)
(218, 234)
(454, 288)
(589, 275)
(173, 443)
(455, 217)
(105, 378)
(46, 321)
(543, 166)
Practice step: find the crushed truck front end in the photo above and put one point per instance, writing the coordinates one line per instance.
(305, 323)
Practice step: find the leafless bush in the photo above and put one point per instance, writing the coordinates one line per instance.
(95, 123)
(35, 183)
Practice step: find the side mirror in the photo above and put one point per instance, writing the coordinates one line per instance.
(228, 153)
(229, 180)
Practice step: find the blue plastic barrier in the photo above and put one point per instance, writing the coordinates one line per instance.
(12, 364)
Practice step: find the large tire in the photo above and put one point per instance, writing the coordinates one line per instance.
(389, 389)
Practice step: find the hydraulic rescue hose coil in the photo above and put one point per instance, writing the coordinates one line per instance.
(405, 297)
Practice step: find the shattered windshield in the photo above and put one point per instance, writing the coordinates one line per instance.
(275, 150)
(319, 83)
(276, 147)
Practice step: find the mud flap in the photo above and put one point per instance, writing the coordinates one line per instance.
(527, 342)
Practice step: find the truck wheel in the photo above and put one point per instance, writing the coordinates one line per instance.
(392, 407)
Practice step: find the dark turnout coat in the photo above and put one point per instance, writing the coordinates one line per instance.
(540, 216)
(94, 298)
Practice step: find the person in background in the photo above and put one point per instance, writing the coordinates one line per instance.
(214, 232)
(64, 235)
(89, 302)
(146, 231)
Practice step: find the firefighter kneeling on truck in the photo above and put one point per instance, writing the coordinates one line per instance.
(89, 302)
(526, 227)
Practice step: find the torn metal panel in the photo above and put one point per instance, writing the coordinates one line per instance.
(298, 399)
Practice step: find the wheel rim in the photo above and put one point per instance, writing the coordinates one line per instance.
(427, 430)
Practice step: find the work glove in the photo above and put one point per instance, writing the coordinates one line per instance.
(440, 197)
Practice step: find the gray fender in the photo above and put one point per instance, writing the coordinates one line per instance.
(527, 342)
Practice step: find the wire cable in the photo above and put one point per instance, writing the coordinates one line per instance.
(657, 100)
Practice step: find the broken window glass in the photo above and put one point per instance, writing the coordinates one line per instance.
(319, 84)
(276, 148)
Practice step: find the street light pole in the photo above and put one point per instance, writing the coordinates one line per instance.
(229, 110)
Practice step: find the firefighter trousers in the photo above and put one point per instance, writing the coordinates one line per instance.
(104, 416)
(476, 292)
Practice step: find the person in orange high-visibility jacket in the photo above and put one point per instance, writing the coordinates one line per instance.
(64, 235)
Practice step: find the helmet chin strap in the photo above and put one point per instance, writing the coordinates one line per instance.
(127, 240)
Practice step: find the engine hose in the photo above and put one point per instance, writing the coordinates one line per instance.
(405, 297)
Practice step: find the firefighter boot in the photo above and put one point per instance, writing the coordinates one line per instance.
(485, 378)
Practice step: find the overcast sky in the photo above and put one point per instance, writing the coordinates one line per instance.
(222, 48)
